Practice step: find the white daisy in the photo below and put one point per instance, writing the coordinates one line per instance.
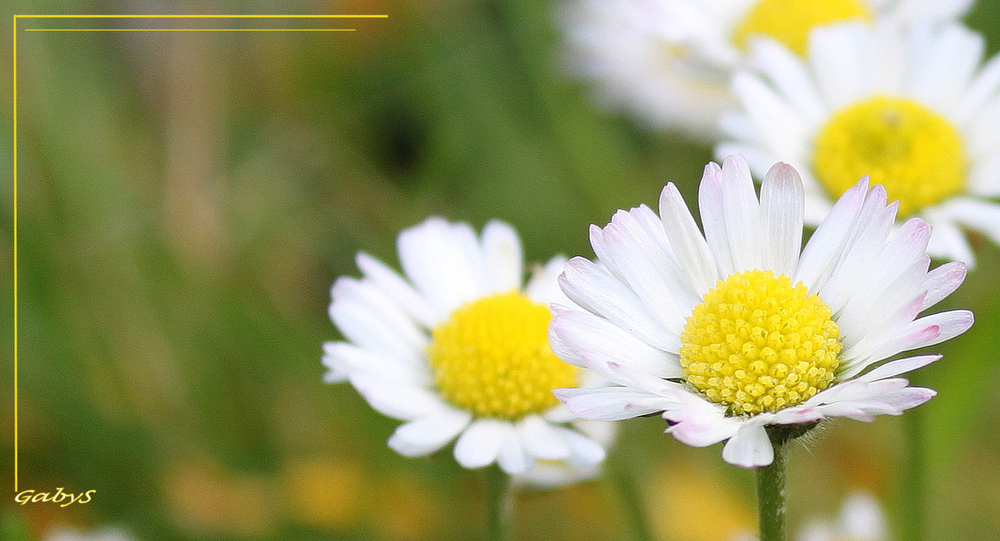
(669, 61)
(731, 331)
(458, 349)
(913, 108)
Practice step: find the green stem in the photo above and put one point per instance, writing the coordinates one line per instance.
(499, 505)
(771, 497)
(630, 497)
(912, 523)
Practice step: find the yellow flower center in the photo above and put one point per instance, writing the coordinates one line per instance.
(492, 358)
(915, 153)
(789, 21)
(757, 343)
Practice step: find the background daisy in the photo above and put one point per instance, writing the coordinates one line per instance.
(458, 349)
(914, 108)
(732, 331)
(861, 519)
(669, 61)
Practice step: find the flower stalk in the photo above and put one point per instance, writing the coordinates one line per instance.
(771, 497)
(499, 505)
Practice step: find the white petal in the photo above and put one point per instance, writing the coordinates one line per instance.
(713, 218)
(941, 282)
(541, 439)
(742, 214)
(593, 288)
(344, 359)
(543, 286)
(824, 250)
(480, 444)
(594, 338)
(584, 452)
(513, 458)
(444, 262)
(901, 366)
(562, 349)
(749, 448)
(948, 242)
(781, 207)
(428, 434)
(982, 89)
(940, 76)
(502, 254)
(864, 242)
(789, 75)
(650, 272)
(982, 216)
(396, 288)
(367, 317)
(397, 400)
(787, 133)
(840, 57)
(700, 423)
(687, 242)
(611, 403)
(870, 320)
(927, 331)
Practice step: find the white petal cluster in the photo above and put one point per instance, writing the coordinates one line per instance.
(668, 62)
(653, 270)
(386, 319)
(785, 100)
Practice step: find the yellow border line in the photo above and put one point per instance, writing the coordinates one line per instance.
(15, 255)
(374, 16)
(189, 29)
(16, 17)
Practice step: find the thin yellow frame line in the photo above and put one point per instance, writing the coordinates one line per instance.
(15, 256)
(370, 16)
(189, 29)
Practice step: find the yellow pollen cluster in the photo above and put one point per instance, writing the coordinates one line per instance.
(758, 344)
(492, 358)
(915, 153)
(789, 21)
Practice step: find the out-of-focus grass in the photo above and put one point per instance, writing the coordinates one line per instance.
(186, 200)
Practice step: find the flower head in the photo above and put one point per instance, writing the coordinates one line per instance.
(669, 61)
(913, 108)
(458, 349)
(729, 332)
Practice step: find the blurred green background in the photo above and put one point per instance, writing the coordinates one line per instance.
(185, 201)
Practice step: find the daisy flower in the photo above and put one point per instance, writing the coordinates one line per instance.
(669, 61)
(735, 330)
(458, 349)
(914, 108)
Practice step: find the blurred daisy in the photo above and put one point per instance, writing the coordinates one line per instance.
(617, 44)
(735, 330)
(669, 61)
(861, 519)
(107, 533)
(912, 108)
(458, 349)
